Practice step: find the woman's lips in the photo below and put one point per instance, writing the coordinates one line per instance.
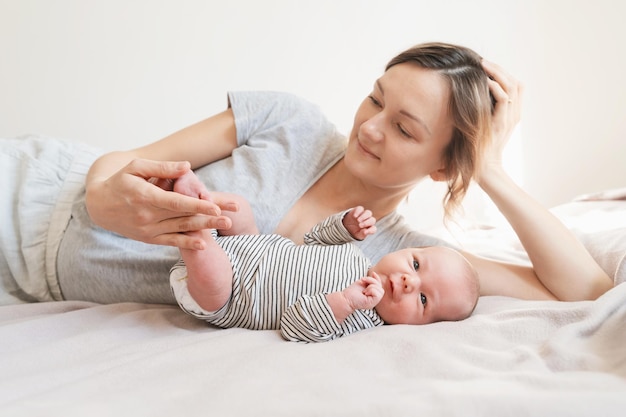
(366, 150)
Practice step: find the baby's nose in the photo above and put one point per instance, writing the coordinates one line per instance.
(411, 283)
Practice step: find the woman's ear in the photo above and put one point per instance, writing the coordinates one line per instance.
(439, 175)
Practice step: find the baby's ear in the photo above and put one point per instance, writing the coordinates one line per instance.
(439, 175)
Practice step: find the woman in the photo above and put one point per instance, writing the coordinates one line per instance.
(429, 114)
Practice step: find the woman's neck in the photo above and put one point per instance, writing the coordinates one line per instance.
(335, 191)
(343, 190)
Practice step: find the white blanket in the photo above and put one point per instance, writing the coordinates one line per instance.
(512, 357)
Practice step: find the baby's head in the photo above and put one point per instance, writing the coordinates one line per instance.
(425, 285)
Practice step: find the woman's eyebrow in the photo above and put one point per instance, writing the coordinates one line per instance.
(404, 112)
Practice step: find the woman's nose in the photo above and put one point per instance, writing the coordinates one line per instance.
(372, 128)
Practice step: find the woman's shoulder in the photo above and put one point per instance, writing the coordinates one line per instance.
(280, 118)
(267, 102)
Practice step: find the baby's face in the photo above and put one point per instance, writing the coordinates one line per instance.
(425, 285)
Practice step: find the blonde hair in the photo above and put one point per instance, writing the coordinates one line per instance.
(470, 106)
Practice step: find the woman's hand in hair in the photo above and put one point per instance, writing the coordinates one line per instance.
(507, 92)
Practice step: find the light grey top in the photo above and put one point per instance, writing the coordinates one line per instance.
(279, 135)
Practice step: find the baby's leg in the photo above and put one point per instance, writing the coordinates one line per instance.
(209, 273)
(243, 222)
(242, 219)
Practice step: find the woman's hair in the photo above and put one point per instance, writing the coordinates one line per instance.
(470, 106)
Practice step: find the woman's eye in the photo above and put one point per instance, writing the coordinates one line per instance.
(374, 101)
(404, 132)
(423, 299)
(416, 265)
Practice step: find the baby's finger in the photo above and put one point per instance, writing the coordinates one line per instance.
(372, 281)
(376, 292)
(356, 212)
(367, 222)
(371, 230)
(368, 279)
(365, 215)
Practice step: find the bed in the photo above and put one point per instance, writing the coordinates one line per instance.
(512, 357)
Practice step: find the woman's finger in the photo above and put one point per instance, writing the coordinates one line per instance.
(178, 204)
(146, 168)
(171, 232)
(504, 87)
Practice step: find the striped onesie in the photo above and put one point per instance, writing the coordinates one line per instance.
(280, 285)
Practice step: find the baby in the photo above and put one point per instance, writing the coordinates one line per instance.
(321, 290)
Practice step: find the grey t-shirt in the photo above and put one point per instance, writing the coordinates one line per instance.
(285, 145)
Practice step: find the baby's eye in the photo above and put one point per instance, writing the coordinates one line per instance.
(416, 265)
(423, 299)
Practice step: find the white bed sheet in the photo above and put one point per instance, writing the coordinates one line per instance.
(512, 357)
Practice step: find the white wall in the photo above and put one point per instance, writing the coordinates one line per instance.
(120, 73)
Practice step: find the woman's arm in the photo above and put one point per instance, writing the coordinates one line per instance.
(562, 267)
(122, 198)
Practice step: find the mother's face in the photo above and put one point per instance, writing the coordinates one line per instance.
(401, 129)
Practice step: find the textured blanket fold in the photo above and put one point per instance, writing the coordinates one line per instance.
(512, 357)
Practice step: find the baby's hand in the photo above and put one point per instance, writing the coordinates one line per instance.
(365, 293)
(360, 223)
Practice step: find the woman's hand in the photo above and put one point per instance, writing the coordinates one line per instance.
(507, 92)
(132, 203)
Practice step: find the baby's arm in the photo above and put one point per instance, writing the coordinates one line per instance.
(363, 294)
(343, 227)
(312, 319)
(360, 223)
